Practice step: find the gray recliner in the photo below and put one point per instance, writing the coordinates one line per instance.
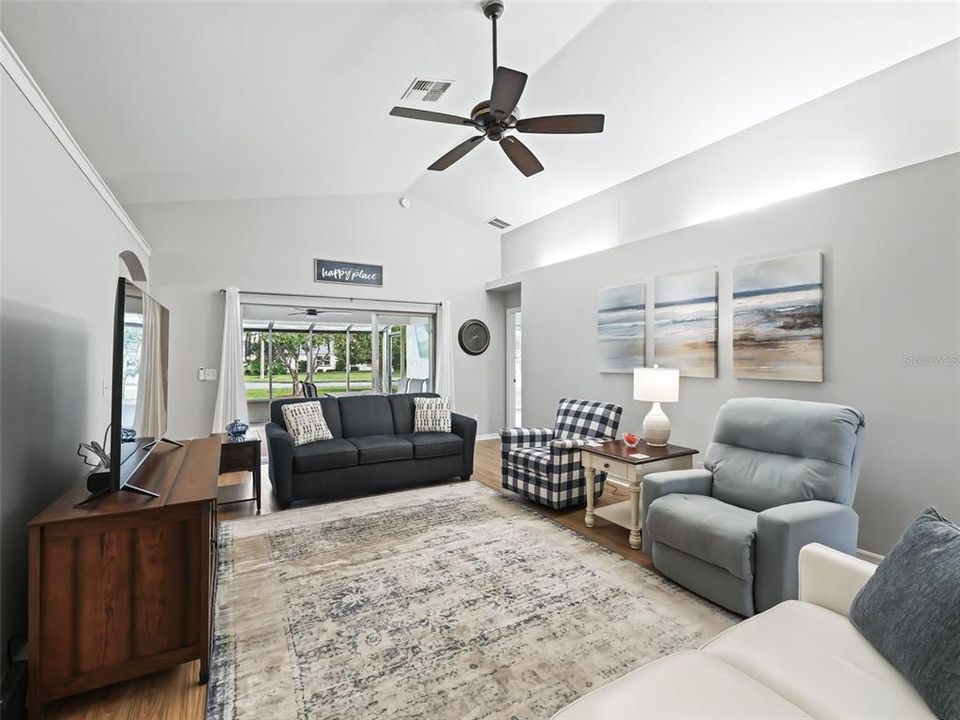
(778, 474)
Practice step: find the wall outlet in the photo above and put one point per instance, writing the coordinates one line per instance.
(210, 373)
(201, 374)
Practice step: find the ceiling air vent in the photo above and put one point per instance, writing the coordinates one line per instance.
(498, 223)
(426, 90)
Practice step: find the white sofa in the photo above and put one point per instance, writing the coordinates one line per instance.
(800, 659)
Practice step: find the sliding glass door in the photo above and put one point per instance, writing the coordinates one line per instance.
(298, 351)
(405, 353)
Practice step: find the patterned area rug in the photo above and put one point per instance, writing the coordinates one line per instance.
(443, 602)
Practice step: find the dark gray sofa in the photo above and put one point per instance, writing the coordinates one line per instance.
(373, 449)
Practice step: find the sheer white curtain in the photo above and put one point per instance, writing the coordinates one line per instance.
(445, 385)
(150, 415)
(231, 394)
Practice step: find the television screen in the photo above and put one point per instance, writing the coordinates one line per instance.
(139, 393)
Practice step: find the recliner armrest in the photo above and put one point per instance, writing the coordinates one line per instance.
(655, 485)
(830, 578)
(783, 530)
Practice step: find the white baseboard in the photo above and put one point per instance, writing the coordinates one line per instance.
(869, 556)
(489, 436)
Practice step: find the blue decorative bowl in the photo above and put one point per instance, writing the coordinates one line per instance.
(237, 428)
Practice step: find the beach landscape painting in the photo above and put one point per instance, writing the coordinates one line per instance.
(778, 319)
(621, 327)
(685, 323)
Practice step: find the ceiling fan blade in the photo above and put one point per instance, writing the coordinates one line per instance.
(561, 124)
(521, 156)
(431, 116)
(458, 152)
(506, 91)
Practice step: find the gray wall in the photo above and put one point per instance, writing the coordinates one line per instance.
(892, 288)
(59, 265)
(428, 255)
(905, 114)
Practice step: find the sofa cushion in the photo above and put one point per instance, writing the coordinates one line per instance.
(403, 412)
(366, 415)
(685, 685)
(767, 452)
(382, 448)
(434, 444)
(705, 528)
(910, 610)
(324, 455)
(816, 659)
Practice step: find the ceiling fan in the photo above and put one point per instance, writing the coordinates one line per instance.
(312, 312)
(495, 117)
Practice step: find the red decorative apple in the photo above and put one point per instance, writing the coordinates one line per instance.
(630, 439)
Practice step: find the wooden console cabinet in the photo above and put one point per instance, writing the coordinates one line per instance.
(124, 586)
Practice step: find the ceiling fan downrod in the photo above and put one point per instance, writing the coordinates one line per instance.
(493, 9)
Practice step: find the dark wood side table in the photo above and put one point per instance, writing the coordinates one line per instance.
(629, 465)
(239, 454)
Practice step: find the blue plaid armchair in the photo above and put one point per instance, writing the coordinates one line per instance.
(543, 464)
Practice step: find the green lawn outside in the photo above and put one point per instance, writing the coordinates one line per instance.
(332, 376)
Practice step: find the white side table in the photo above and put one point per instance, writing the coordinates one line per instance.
(616, 459)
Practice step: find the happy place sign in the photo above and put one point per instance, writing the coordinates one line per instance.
(347, 273)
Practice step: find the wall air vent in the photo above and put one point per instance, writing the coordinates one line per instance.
(498, 223)
(426, 90)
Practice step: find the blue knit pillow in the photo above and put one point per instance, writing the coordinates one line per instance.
(910, 610)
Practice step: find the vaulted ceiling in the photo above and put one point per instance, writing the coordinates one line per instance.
(189, 101)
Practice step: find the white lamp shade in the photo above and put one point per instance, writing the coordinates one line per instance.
(656, 384)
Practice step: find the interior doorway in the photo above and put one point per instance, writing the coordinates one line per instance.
(514, 364)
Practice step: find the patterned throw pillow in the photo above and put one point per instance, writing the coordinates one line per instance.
(431, 414)
(305, 422)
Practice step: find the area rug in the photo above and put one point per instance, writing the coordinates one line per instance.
(443, 602)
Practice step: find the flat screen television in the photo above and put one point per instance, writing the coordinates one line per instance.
(138, 411)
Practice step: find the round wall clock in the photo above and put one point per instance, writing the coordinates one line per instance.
(474, 337)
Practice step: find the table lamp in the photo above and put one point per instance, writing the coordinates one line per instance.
(656, 385)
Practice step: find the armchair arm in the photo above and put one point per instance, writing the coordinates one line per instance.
(783, 530)
(280, 447)
(575, 443)
(655, 485)
(465, 427)
(830, 578)
(512, 438)
(568, 443)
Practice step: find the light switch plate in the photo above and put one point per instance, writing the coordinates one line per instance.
(210, 373)
(200, 375)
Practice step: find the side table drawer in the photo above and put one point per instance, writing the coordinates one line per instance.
(607, 465)
(239, 457)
